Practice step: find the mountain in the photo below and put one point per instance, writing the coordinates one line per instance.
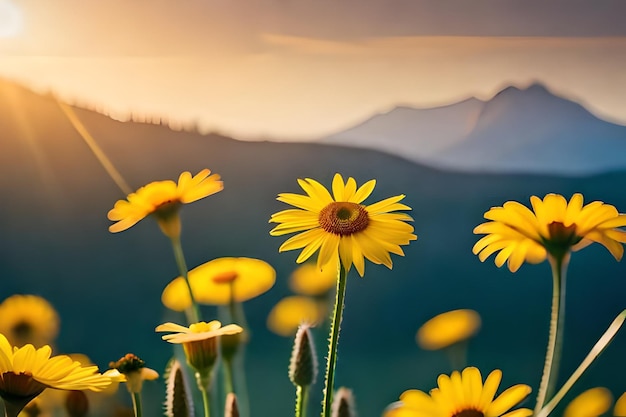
(527, 130)
(107, 287)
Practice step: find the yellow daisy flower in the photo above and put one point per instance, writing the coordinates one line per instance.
(463, 395)
(290, 312)
(199, 340)
(448, 328)
(620, 406)
(554, 227)
(25, 372)
(592, 403)
(163, 199)
(308, 279)
(132, 370)
(220, 281)
(28, 319)
(340, 224)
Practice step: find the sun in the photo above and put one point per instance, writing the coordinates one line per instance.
(10, 19)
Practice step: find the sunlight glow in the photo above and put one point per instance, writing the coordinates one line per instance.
(10, 19)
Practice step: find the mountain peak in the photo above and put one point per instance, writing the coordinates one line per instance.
(525, 129)
(513, 90)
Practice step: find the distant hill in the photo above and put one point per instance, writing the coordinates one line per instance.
(54, 241)
(527, 130)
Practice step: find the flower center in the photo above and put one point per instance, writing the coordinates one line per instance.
(128, 363)
(23, 331)
(561, 239)
(167, 209)
(225, 277)
(469, 413)
(21, 386)
(344, 218)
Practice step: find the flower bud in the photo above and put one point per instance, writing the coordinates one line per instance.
(303, 364)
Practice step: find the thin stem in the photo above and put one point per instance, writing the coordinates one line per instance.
(302, 398)
(237, 371)
(457, 355)
(228, 376)
(334, 341)
(193, 313)
(136, 396)
(12, 410)
(205, 402)
(595, 351)
(557, 317)
(203, 380)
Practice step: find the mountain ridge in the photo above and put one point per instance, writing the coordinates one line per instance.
(518, 130)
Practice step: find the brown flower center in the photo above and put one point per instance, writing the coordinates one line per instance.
(19, 387)
(128, 363)
(343, 218)
(561, 239)
(22, 331)
(469, 413)
(167, 209)
(225, 277)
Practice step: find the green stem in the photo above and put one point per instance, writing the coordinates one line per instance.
(457, 355)
(203, 380)
(557, 317)
(205, 402)
(193, 313)
(136, 396)
(237, 372)
(302, 398)
(228, 376)
(12, 410)
(595, 351)
(334, 341)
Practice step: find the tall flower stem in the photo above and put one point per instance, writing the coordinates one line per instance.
(595, 351)
(334, 341)
(13, 410)
(203, 379)
(557, 317)
(228, 376)
(136, 396)
(193, 313)
(302, 397)
(235, 364)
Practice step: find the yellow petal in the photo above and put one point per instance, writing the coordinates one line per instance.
(508, 399)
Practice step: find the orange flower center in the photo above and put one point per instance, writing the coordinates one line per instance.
(225, 277)
(343, 218)
(469, 413)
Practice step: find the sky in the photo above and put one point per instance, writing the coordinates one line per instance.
(301, 69)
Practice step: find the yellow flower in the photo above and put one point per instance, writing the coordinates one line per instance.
(554, 227)
(291, 312)
(217, 281)
(199, 340)
(25, 372)
(307, 279)
(592, 403)
(163, 199)
(448, 328)
(132, 370)
(620, 406)
(28, 319)
(463, 395)
(340, 224)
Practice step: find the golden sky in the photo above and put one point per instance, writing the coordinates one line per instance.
(280, 69)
